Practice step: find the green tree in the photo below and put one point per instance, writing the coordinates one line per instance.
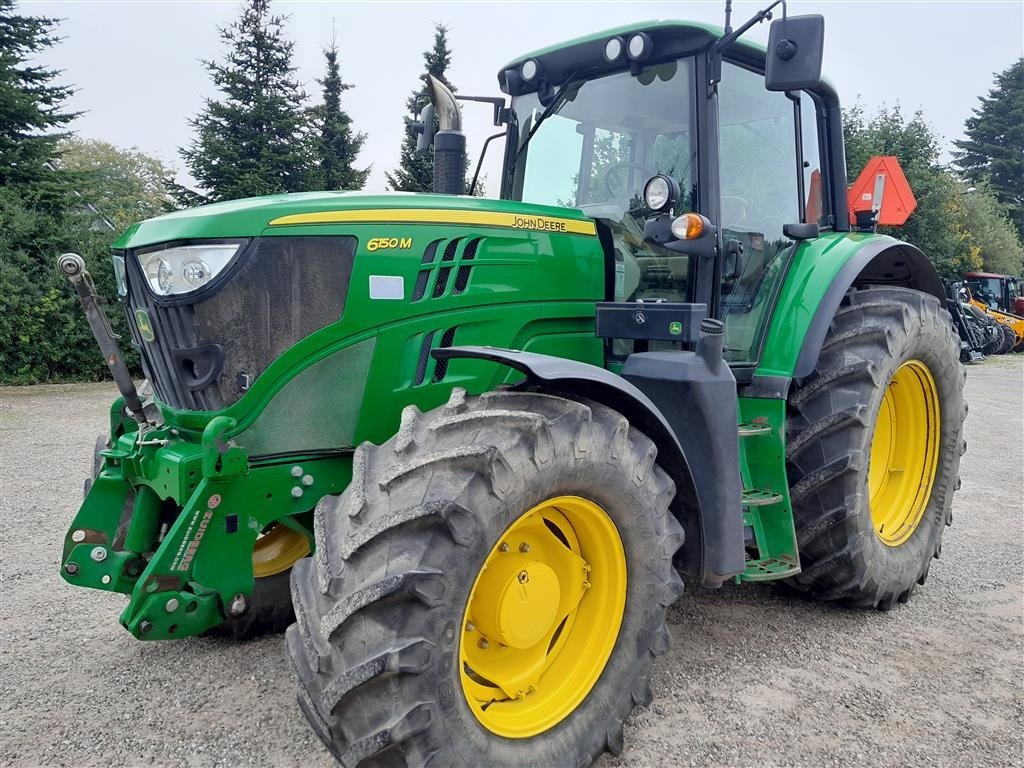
(254, 139)
(44, 335)
(992, 233)
(31, 109)
(938, 226)
(994, 148)
(415, 171)
(124, 185)
(338, 145)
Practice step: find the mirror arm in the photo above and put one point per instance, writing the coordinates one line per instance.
(715, 75)
(498, 102)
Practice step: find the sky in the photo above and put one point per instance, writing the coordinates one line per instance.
(139, 77)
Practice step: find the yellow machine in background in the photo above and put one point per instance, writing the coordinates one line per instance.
(1014, 322)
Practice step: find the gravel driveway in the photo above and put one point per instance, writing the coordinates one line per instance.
(754, 676)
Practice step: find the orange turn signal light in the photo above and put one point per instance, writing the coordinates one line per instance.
(689, 226)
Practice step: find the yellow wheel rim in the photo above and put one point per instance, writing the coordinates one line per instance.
(904, 453)
(543, 617)
(277, 550)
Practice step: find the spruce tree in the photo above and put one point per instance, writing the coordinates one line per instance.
(338, 145)
(994, 148)
(31, 110)
(253, 139)
(415, 171)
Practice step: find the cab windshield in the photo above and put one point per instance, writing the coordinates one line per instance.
(597, 149)
(986, 290)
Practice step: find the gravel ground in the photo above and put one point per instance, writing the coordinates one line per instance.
(754, 676)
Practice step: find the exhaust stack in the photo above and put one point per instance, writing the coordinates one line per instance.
(449, 142)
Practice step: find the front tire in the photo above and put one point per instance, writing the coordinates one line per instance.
(397, 615)
(874, 446)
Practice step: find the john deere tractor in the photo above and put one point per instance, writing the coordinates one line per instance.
(462, 438)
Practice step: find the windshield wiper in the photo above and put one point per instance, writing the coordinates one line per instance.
(549, 110)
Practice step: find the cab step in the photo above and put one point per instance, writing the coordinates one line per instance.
(749, 430)
(758, 498)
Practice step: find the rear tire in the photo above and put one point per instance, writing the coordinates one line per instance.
(833, 415)
(379, 644)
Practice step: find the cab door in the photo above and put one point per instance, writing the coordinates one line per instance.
(769, 176)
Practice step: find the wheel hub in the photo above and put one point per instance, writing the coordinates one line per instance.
(526, 604)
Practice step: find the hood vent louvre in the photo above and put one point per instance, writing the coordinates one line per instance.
(435, 278)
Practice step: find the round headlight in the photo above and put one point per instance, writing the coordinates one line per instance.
(195, 273)
(529, 69)
(640, 46)
(658, 192)
(613, 49)
(160, 274)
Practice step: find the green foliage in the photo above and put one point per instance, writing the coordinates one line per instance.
(338, 145)
(123, 185)
(44, 335)
(992, 233)
(994, 148)
(415, 171)
(938, 226)
(254, 139)
(30, 109)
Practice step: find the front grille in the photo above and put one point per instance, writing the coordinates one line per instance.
(209, 349)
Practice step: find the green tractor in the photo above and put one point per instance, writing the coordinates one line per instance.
(462, 438)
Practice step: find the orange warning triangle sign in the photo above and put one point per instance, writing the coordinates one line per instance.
(882, 187)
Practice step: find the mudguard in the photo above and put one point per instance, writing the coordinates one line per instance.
(711, 562)
(883, 262)
(821, 273)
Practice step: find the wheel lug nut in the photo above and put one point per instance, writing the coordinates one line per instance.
(503, 547)
(470, 626)
(524, 547)
(587, 568)
(484, 643)
(586, 585)
(523, 577)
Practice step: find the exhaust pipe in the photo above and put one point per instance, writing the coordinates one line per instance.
(449, 142)
(72, 266)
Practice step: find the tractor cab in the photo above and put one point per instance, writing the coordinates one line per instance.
(593, 121)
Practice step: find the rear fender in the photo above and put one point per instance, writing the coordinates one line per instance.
(570, 378)
(877, 263)
(822, 272)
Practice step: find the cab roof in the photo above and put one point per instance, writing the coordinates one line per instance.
(713, 31)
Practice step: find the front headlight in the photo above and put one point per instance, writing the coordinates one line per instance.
(185, 268)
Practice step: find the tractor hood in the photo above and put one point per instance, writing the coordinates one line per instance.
(272, 214)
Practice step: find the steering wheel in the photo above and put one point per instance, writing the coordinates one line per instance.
(623, 191)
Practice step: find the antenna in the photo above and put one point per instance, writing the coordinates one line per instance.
(728, 16)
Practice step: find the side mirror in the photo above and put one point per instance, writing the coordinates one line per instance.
(424, 127)
(795, 49)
